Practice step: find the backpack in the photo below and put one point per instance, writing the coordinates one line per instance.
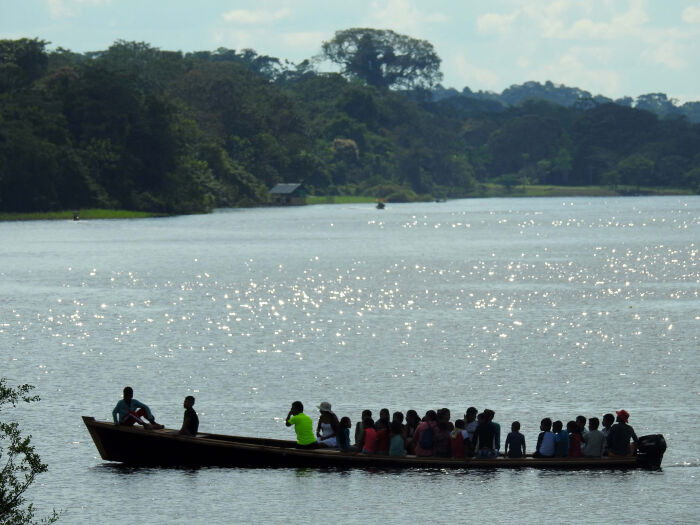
(426, 438)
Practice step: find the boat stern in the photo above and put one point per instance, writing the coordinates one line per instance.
(650, 451)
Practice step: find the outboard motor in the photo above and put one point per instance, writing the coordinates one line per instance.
(650, 450)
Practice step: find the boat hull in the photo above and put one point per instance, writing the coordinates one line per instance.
(138, 446)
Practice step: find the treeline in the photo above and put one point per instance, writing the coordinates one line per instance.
(138, 128)
(657, 103)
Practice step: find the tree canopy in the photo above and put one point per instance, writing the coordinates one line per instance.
(138, 128)
(384, 59)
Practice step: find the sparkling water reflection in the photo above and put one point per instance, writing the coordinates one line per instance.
(531, 306)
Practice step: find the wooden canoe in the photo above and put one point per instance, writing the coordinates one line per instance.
(138, 446)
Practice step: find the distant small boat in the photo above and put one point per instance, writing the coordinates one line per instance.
(380, 205)
(138, 446)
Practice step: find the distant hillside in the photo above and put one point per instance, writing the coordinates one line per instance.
(657, 103)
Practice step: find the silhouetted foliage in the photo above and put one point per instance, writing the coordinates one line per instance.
(20, 464)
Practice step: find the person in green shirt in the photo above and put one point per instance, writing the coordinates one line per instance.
(303, 425)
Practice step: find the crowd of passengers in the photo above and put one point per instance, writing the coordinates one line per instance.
(476, 435)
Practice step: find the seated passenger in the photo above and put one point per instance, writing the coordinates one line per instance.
(398, 418)
(129, 411)
(457, 438)
(515, 442)
(561, 440)
(359, 429)
(545, 441)
(397, 445)
(572, 429)
(608, 420)
(327, 426)
(485, 438)
(424, 436)
(303, 426)
(442, 437)
(384, 418)
(490, 414)
(470, 424)
(343, 436)
(593, 440)
(412, 422)
(620, 435)
(190, 421)
(383, 438)
(581, 423)
(369, 441)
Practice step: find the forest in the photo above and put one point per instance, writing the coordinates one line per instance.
(134, 127)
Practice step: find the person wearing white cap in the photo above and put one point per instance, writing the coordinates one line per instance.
(328, 426)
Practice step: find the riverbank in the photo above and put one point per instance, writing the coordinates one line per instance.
(489, 190)
(76, 215)
(538, 190)
(483, 191)
(338, 199)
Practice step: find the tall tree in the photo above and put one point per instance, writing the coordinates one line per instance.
(21, 62)
(384, 59)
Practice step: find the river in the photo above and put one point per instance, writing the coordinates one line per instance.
(532, 307)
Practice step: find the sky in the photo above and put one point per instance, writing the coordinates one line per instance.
(613, 48)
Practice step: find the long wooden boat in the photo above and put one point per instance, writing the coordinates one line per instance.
(139, 446)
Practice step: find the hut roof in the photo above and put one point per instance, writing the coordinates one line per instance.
(285, 188)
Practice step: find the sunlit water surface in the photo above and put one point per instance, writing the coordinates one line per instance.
(533, 307)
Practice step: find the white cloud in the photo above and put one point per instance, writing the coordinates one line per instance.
(496, 23)
(61, 9)
(472, 75)
(586, 28)
(598, 55)
(570, 69)
(235, 39)
(667, 54)
(247, 16)
(70, 8)
(691, 14)
(552, 20)
(403, 16)
(304, 40)
(293, 46)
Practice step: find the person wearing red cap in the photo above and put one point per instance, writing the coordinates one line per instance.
(620, 435)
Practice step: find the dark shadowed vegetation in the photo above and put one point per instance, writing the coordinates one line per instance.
(20, 464)
(137, 128)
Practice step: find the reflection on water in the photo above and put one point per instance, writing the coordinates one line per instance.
(532, 307)
(130, 470)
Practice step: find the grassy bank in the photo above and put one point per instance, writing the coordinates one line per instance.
(338, 199)
(530, 190)
(82, 214)
(536, 190)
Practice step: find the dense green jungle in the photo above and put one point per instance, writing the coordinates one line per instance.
(137, 128)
